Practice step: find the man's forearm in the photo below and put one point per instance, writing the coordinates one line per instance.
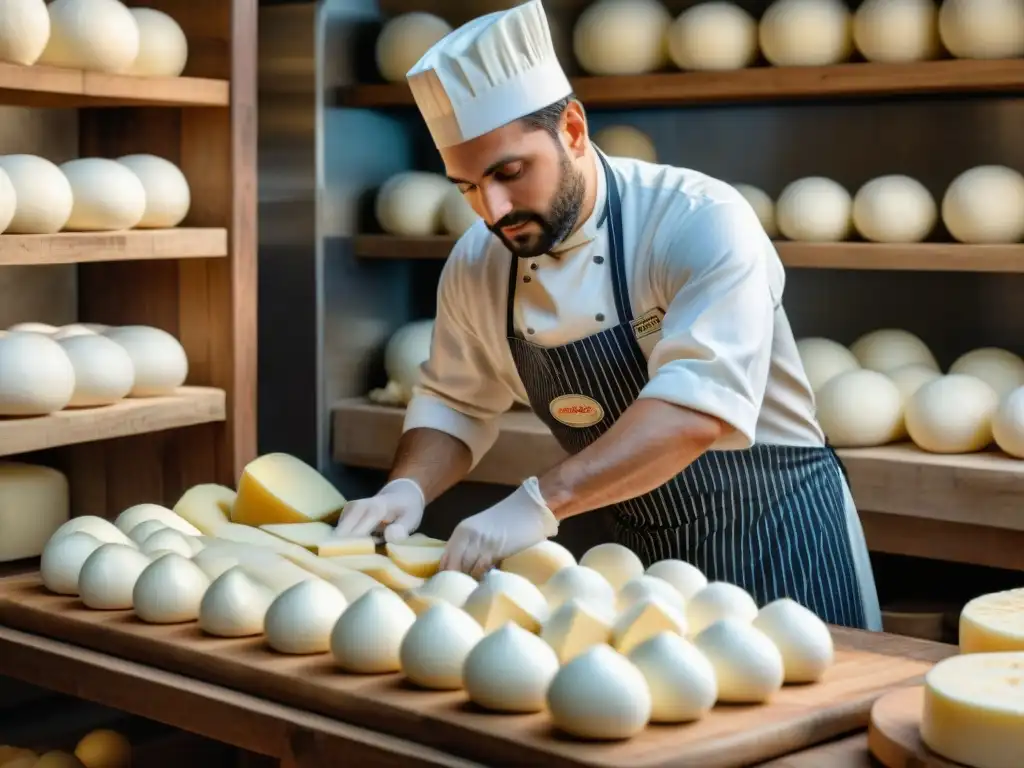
(646, 447)
(434, 459)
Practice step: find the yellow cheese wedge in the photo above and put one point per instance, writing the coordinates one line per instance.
(206, 506)
(307, 535)
(278, 488)
(993, 622)
(644, 619)
(974, 710)
(342, 546)
(573, 628)
(419, 561)
(382, 569)
(498, 609)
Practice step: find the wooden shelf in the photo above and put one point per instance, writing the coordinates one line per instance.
(974, 489)
(40, 86)
(930, 257)
(759, 84)
(189, 406)
(131, 245)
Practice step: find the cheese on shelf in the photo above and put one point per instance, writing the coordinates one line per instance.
(207, 506)
(973, 711)
(33, 505)
(993, 622)
(382, 569)
(419, 561)
(341, 546)
(278, 488)
(308, 535)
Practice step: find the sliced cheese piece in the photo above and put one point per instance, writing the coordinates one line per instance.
(277, 574)
(342, 546)
(34, 503)
(498, 609)
(307, 535)
(382, 569)
(539, 562)
(422, 540)
(502, 597)
(246, 534)
(974, 710)
(206, 506)
(419, 561)
(353, 584)
(279, 488)
(993, 622)
(644, 619)
(574, 627)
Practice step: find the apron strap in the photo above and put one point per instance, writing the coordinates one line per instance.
(839, 461)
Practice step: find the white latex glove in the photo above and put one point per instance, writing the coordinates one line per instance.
(397, 507)
(513, 524)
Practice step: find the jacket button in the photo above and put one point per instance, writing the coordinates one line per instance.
(599, 317)
(530, 331)
(599, 259)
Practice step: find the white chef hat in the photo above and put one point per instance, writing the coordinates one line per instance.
(488, 72)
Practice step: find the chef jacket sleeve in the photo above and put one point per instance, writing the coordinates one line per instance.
(460, 392)
(717, 274)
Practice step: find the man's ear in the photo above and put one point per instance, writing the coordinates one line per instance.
(574, 127)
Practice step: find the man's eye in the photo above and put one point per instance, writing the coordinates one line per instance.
(509, 173)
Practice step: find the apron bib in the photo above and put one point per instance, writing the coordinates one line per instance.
(771, 519)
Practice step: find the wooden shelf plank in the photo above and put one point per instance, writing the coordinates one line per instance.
(973, 489)
(759, 84)
(130, 245)
(918, 257)
(188, 406)
(40, 86)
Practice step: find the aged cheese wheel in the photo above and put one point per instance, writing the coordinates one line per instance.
(108, 576)
(748, 666)
(763, 206)
(158, 358)
(169, 591)
(457, 215)
(897, 31)
(982, 29)
(1008, 424)
(104, 372)
(806, 33)
(301, 618)
(626, 141)
(539, 562)
(104, 748)
(985, 205)
(888, 348)
(716, 35)
(62, 560)
(802, 638)
(166, 189)
(57, 759)
(33, 505)
(990, 623)
(719, 600)
(409, 203)
(860, 409)
(952, 414)
(43, 197)
(894, 209)
(509, 670)
(24, 31)
(686, 578)
(36, 376)
(100, 35)
(615, 562)
(999, 368)
(824, 359)
(404, 39)
(814, 209)
(435, 648)
(163, 48)
(681, 679)
(107, 195)
(622, 37)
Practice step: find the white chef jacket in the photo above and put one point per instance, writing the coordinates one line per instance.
(695, 254)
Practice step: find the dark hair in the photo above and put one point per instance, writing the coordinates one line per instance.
(548, 118)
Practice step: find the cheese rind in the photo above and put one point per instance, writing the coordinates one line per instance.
(993, 623)
(974, 710)
(279, 488)
(34, 503)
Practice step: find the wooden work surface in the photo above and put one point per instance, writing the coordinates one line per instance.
(867, 665)
(894, 735)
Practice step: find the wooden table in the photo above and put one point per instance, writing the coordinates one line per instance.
(296, 738)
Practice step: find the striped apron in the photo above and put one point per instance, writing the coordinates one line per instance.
(773, 519)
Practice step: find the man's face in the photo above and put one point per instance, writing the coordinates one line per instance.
(522, 182)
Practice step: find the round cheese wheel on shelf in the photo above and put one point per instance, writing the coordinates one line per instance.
(763, 206)
(158, 358)
(814, 209)
(435, 648)
(234, 605)
(167, 193)
(24, 31)
(369, 634)
(104, 748)
(616, 563)
(457, 215)
(163, 48)
(896, 31)
(509, 670)
(860, 409)
(108, 576)
(169, 591)
(107, 195)
(404, 39)
(62, 560)
(301, 618)
(681, 679)
(888, 348)
(104, 373)
(1008, 424)
(43, 196)
(409, 204)
(719, 600)
(99, 35)
(824, 359)
(985, 205)
(999, 368)
(802, 638)
(622, 37)
(715, 36)
(748, 666)
(952, 414)
(894, 209)
(686, 578)
(406, 350)
(36, 376)
(982, 29)
(626, 141)
(806, 33)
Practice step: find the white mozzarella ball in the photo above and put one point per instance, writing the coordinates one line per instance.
(99, 35)
(985, 205)
(622, 37)
(616, 563)
(910, 378)
(140, 513)
(406, 351)
(167, 193)
(982, 29)
(24, 31)
(642, 620)
(860, 409)
(404, 39)
(999, 368)
(74, 329)
(301, 618)
(824, 359)
(95, 526)
(1008, 424)
(8, 200)
(641, 587)
(369, 634)
(452, 587)
(802, 638)
(168, 540)
(686, 578)
(681, 679)
(626, 141)
(107, 195)
(43, 196)
(457, 215)
(163, 47)
(104, 373)
(143, 530)
(44, 328)
(489, 603)
(509, 670)
(409, 204)
(435, 648)
(715, 36)
(36, 376)
(62, 560)
(234, 605)
(169, 590)
(888, 348)
(763, 207)
(158, 359)
(952, 414)
(719, 600)
(108, 576)
(748, 666)
(897, 31)
(894, 209)
(806, 33)
(576, 626)
(579, 582)
(814, 209)
(540, 562)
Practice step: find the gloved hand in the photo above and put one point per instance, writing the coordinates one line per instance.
(513, 524)
(397, 507)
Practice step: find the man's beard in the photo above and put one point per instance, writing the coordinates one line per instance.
(555, 225)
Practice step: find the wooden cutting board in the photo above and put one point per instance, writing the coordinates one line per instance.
(894, 733)
(867, 665)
